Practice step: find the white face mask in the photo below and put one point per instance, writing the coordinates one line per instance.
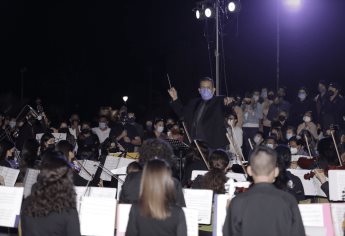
(293, 150)
(288, 136)
(160, 129)
(270, 145)
(102, 125)
(256, 98)
(12, 124)
(306, 118)
(257, 140)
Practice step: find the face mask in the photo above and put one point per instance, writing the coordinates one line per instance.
(302, 96)
(102, 125)
(131, 120)
(206, 94)
(256, 98)
(12, 124)
(51, 146)
(293, 150)
(281, 118)
(169, 126)
(257, 140)
(270, 97)
(270, 145)
(85, 131)
(175, 131)
(63, 130)
(331, 92)
(160, 129)
(288, 136)
(306, 119)
(264, 94)
(322, 90)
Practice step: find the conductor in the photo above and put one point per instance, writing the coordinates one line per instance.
(204, 116)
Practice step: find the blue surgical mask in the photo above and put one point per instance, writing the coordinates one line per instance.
(206, 94)
(302, 96)
(102, 125)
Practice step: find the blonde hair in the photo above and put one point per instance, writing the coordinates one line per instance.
(157, 191)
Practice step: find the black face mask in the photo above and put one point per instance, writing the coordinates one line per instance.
(281, 118)
(247, 102)
(131, 120)
(270, 96)
(169, 126)
(51, 146)
(330, 93)
(85, 131)
(63, 130)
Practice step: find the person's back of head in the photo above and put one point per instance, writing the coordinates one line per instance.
(216, 177)
(5, 147)
(29, 153)
(54, 190)
(156, 148)
(283, 163)
(157, 190)
(134, 167)
(65, 147)
(263, 165)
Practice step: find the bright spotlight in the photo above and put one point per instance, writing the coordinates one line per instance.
(293, 4)
(231, 7)
(125, 98)
(197, 14)
(208, 12)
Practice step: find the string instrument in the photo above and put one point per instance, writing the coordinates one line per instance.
(341, 166)
(233, 142)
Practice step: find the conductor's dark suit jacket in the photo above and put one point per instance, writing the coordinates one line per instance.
(212, 122)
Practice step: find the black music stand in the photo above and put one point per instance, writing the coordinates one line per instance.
(179, 148)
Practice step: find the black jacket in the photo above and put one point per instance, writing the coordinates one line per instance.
(131, 188)
(212, 121)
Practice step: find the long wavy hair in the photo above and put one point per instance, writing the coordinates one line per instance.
(54, 191)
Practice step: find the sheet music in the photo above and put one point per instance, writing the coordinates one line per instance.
(119, 185)
(312, 215)
(29, 180)
(10, 175)
(315, 231)
(195, 173)
(94, 192)
(297, 157)
(121, 165)
(114, 164)
(336, 179)
(201, 200)
(97, 216)
(338, 216)
(311, 187)
(91, 167)
(220, 207)
(122, 217)
(191, 216)
(10, 204)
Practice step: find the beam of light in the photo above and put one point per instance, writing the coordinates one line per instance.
(293, 4)
(197, 14)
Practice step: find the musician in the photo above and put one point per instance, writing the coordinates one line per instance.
(51, 208)
(152, 148)
(156, 212)
(88, 143)
(263, 209)
(47, 143)
(158, 130)
(204, 116)
(7, 154)
(235, 133)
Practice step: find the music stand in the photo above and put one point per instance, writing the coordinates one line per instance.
(178, 147)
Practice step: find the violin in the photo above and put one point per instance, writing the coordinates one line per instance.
(311, 174)
(307, 163)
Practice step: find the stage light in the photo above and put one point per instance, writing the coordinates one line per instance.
(208, 12)
(125, 98)
(293, 4)
(197, 14)
(231, 6)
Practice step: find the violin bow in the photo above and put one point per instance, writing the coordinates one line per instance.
(336, 148)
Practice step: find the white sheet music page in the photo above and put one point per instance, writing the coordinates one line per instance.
(312, 215)
(201, 200)
(336, 179)
(91, 167)
(191, 216)
(338, 217)
(122, 217)
(195, 173)
(10, 204)
(119, 185)
(97, 216)
(311, 187)
(220, 204)
(94, 192)
(10, 175)
(120, 166)
(29, 180)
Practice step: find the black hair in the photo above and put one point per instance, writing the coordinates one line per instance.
(283, 162)
(206, 79)
(65, 147)
(4, 147)
(156, 148)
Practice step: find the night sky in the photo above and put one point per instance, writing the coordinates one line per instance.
(83, 54)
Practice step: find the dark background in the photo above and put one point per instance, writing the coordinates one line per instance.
(80, 55)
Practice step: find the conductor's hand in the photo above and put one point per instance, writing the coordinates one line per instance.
(173, 93)
(228, 100)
